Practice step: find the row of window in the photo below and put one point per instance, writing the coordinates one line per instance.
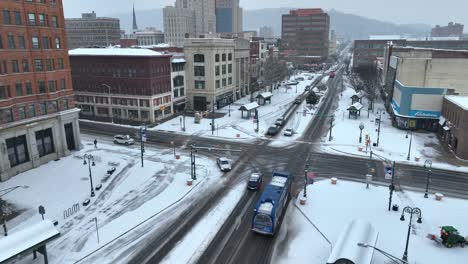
(17, 147)
(223, 82)
(120, 70)
(40, 65)
(32, 110)
(201, 57)
(26, 88)
(45, 42)
(31, 19)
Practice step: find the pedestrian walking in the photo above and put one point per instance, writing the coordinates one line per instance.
(95, 143)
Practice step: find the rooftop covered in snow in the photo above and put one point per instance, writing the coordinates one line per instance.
(114, 52)
(461, 101)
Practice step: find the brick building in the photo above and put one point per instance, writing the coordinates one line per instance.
(38, 121)
(306, 32)
(454, 124)
(122, 85)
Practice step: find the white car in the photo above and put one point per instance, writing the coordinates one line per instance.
(288, 132)
(123, 139)
(223, 164)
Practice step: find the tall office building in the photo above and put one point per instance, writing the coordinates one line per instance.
(305, 32)
(38, 118)
(205, 18)
(228, 16)
(90, 30)
(178, 22)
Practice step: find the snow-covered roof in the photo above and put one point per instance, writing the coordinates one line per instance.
(265, 207)
(250, 106)
(178, 60)
(113, 52)
(278, 181)
(265, 95)
(385, 37)
(356, 231)
(461, 101)
(23, 240)
(358, 106)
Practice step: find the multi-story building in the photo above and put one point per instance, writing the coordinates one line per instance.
(241, 68)
(332, 49)
(178, 82)
(178, 23)
(150, 36)
(366, 52)
(451, 30)
(454, 124)
(122, 85)
(209, 72)
(228, 16)
(266, 32)
(258, 56)
(205, 15)
(417, 79)
(306, 32)
(90, 31)
(38, 118)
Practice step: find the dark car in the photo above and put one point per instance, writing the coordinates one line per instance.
(297, 101)
(255, 181)
(272, 131)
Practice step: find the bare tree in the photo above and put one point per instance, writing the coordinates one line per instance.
(368, 75)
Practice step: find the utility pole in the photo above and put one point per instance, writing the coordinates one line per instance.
(306, 170)
(378, 130)
(391, 187)
(213, 119)
(142, 141)
(331, 126)
(193, 171)
(409, 148)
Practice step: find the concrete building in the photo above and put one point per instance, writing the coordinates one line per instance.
(209, 72)
(418, 79)
(454, 124)
(258, 55)
(38, 118)
(266, 32)
(366, 52)
(178, 22)
(90, 30)
(150, 36)
(241, 68)
(178, 82)
(305, 32)
(228, 16)
(451, 30)
(122, 85)
(205, 15)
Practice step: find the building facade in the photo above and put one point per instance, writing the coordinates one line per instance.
(178, 22)
(178, 82)
(306, 32)
(149, 37)
(333, 43)
(266, 32)
(451, 30)
(205, 14)
(38, 118)
(209, 72)
(90, 31)
(241, 68)
(454, 124)
(228, 16)
(122, 85)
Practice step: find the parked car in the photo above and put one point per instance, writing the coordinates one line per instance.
(272, 131)
(307, 88)
(279, 121)
(255, 181)
(300, 79)
(223, 164)
(288, 132)
(123, 139)
(297, 101)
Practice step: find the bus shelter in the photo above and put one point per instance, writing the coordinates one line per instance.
(249, 108)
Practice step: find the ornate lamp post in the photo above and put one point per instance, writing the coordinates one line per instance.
(89, 162)
(410, 210)
(361, 127)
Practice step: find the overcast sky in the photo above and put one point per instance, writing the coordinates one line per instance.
(398, 11)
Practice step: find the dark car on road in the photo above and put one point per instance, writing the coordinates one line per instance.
(297, 101)
(255, 181)
(272, 131)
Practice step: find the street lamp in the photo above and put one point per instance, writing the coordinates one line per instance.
(411, 211)
(306, 170)
(90, 163)
(409, 148)
(428, 167)
(361, 127)
(386, 254)
(2, 213)
(110, 102)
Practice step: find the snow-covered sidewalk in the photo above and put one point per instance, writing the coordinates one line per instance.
(330, 207)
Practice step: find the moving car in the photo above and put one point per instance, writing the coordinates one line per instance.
(288, 132)
(297, 101)
(272, 131)
(223, 164)
(255, 181)
(123, 139)
(279, 121)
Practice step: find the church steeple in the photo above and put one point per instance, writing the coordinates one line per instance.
(135, 26)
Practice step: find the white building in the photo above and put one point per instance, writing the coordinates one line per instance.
(205, 16)
(178, 82)
(178, 22)
(149, 37)
(242, 68)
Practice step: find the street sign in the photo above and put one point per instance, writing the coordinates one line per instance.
(388, 173)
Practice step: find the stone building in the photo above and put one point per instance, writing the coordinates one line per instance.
(38, 118)
(178, 22)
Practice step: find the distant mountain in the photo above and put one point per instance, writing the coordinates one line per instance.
(345, 25)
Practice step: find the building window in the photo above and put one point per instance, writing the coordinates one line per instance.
(17, 150)
(217, 70)
(199, 58)
(217, 58)
(199, 70)
(224, 82)
(21, 113)
(28, 88)
(6, 116)
(11, 42)
(45, 142)
(199, 84)
(223, 67)
(51, 86)
(43, 108)
(176, 93)
(229, 68)
(57, 43)
(1, 43)
(60, 63)
(224, 57)
(19, 89)
(5, 70)
(42, 21)
(230, 80)
(21, 42)
(31, 19)
(182, 91)
(38, 65)
(42, 87)
(230, 57)
(4, 93)
(15, 66)
(31, 111)
(6, 17)
(48, 63)
(217, 84)
(45, 43)
(35, 42)
(55, 22)
(18, 20)
(63, 84)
